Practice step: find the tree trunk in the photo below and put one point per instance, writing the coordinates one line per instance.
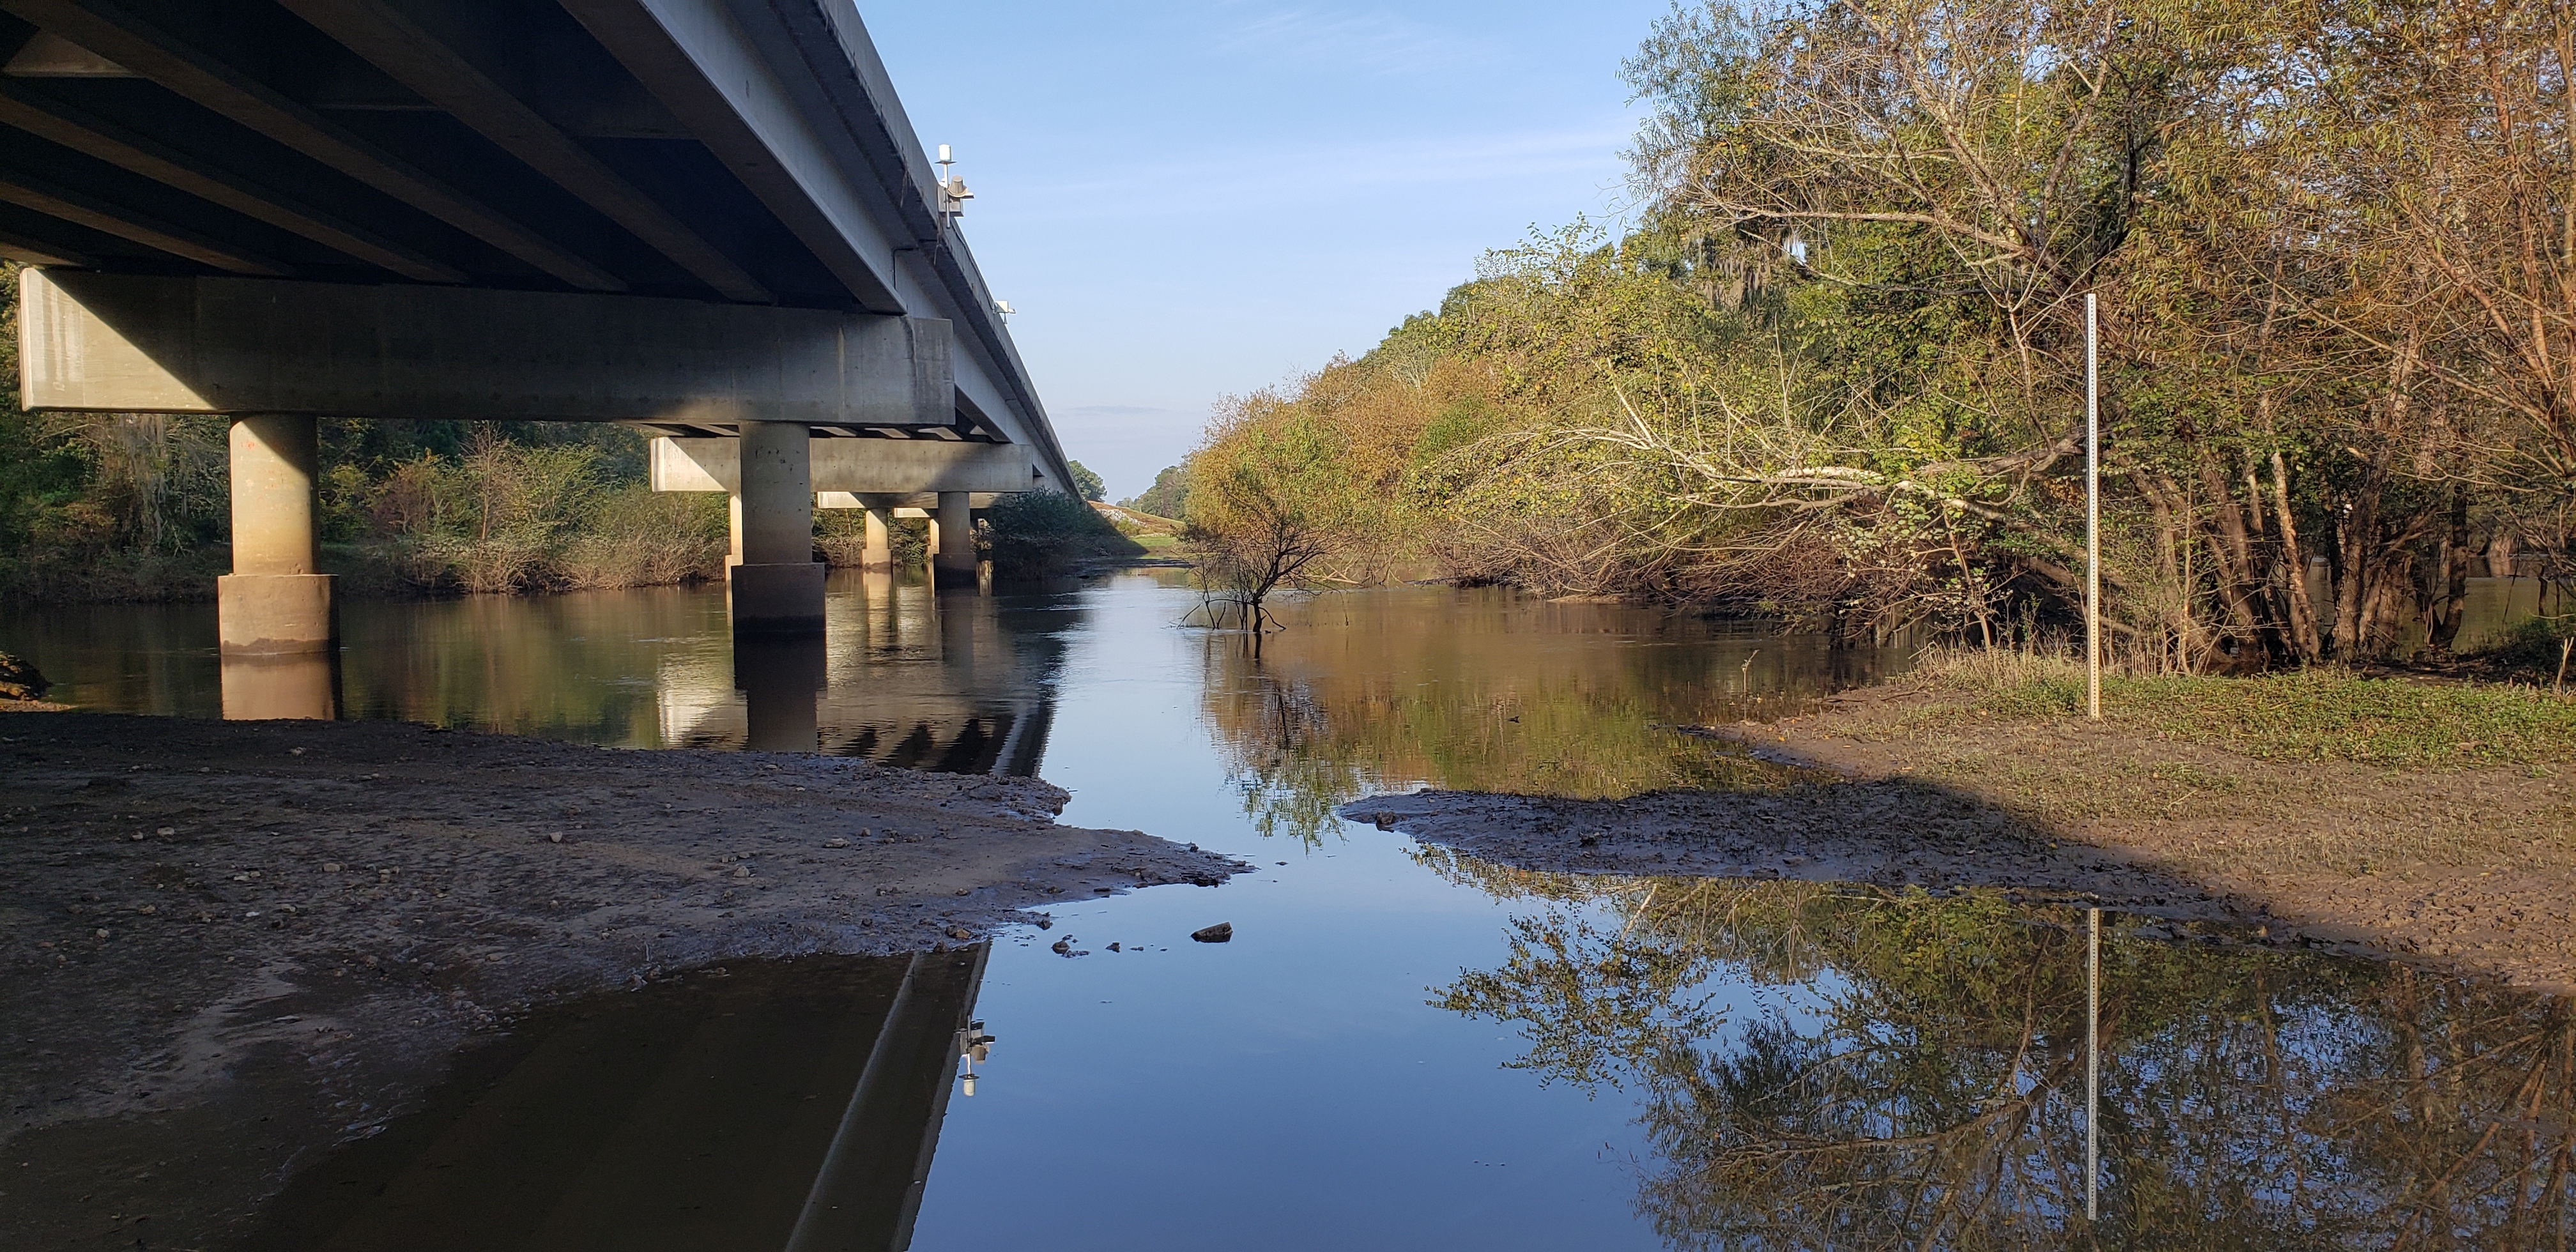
(2234, 552)
(2165, 503)
(2455, 575)
(2357, 562)
(2290, 565)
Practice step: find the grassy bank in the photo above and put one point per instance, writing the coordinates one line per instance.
(2322, 714)
(2427, 816)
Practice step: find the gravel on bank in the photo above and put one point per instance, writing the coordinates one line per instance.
(246, 941)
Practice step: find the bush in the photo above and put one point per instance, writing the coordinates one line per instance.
(638, 537)
(509, 517)
(1043, 532)
(2533, 644)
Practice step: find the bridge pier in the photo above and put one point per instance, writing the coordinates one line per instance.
(778, 587)
(952, 541)
(879, 552)
(275, 602)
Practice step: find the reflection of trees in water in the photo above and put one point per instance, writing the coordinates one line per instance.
(1924, 1087)
(1338, 710)
(1280, 751)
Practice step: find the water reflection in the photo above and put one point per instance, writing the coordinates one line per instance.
(791, 1105)
(956, 681)
(1831, 1066)
(780, 678)
(1490, 690)
(297, 685)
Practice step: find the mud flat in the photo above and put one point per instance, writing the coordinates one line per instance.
(2460, 867)
(229, 946)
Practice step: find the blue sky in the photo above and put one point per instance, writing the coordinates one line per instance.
(1186, 200)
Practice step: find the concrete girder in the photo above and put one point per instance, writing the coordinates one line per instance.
(792, 97)
(129, 39)
(703, 67)
(33, 252)
(56, 122)
(913, 507)
(853, 466)
(399, 38)
(128, 343)
(124, 223)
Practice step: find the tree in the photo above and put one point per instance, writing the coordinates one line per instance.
(1087, 484)
(1270, 499)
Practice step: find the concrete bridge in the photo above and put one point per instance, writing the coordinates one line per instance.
(708, 219)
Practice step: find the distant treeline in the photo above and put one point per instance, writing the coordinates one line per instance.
(1835, 372)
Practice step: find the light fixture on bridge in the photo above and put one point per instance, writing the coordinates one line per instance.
(952, 190)
(1004, 308)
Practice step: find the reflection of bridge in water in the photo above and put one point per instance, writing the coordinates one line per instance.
(901, 675)
(784, 1106)
(953, 680)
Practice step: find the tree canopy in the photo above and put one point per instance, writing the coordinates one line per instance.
(1835, 370)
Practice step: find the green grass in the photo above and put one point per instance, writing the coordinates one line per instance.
(2306, 715)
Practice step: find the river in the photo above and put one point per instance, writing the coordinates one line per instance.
(1398, 1047)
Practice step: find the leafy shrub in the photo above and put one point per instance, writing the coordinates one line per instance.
(1040, 532)
(638, 537)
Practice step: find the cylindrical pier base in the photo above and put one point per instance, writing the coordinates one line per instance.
(952, 559)
(274, 614)
(273, 603)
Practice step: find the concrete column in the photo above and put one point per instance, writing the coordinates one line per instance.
(781, 677)
(952, 562)
(879, 553)
(778, 587)
(273, 603)
(733, 529)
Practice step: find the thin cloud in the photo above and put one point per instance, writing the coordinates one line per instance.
(1327, 173)
(1374, 43)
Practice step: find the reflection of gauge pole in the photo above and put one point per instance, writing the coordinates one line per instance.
(2092, 1060)
(972, 1045)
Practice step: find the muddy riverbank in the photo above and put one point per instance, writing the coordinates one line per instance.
(2455, 867)
(266, 937)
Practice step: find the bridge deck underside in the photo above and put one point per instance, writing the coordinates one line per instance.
(727, 153)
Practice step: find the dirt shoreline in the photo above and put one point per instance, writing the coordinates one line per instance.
(242, 942)
(2464, 870)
